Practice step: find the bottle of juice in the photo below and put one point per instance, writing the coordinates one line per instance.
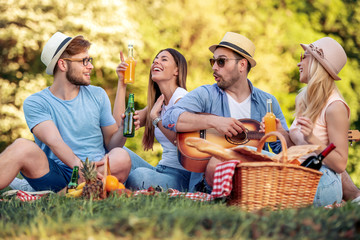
(270, 123)
(130, 71)
(129, 126)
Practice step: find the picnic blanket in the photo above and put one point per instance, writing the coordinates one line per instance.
(221, 189)
(25, 196)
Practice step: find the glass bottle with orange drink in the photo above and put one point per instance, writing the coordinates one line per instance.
(130, 71)
(270, 123)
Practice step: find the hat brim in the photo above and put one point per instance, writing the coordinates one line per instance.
(250, 59)
(323, 63)
(50, 68)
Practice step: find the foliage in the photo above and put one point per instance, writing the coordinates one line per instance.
(276, 27)
(162, 217)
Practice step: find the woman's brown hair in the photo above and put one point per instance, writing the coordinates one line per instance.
(154, 92)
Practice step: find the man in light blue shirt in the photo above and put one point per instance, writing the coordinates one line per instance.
(70, 120)
(232, 97)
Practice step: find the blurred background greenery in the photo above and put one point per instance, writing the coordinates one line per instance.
(191, 26)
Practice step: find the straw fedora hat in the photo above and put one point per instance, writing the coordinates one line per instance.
(238, 43)
(329, 53)
(53, 50)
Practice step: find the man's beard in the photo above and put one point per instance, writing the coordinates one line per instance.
(232, 79)
(222, 84)
(73, 78)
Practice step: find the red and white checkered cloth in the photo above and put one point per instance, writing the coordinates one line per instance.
(26, 196)
(223, 176)
(222, 185)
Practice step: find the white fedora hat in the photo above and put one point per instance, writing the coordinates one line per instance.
(238, 43)
(329, 53)
(53, 50)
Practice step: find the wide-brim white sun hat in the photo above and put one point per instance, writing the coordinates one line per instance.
(53, 50)
(238, 43)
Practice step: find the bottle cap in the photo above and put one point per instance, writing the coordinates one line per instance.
(268, 100)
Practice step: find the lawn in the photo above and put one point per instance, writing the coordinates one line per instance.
(162, 217)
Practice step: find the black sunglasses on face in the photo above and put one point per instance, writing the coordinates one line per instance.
(221, 61)
(85, 61)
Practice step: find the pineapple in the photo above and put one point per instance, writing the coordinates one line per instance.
(93, 186)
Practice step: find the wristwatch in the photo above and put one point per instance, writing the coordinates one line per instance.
(155, 121)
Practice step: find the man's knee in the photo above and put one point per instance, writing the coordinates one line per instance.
(120, 163)
(210, 171)
(24, 150)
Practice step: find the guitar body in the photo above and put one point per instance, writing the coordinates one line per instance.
(196, 161)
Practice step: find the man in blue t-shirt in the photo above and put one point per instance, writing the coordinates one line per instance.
(231, 98)
(70, 120)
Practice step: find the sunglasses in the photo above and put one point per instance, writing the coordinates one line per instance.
(85, 61)
(221, 61)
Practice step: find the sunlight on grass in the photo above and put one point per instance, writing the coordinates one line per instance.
(162, 217)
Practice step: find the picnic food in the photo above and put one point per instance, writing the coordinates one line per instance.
(75, 193)
(80, 186)
(112, 183)
(246, 154)
(93, 186)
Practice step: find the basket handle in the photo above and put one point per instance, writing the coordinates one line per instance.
(284, 158)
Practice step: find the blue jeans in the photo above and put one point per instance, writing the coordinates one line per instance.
(143, 175)
(329, 189)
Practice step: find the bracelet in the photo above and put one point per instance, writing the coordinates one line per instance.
(155, 121)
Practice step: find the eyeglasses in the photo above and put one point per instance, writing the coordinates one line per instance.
(85, 61)
(221, 61)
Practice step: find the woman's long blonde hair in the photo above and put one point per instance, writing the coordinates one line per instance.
(154, 92)
(312, 98)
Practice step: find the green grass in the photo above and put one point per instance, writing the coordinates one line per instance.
(161, 217)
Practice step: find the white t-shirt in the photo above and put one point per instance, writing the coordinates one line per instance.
(170, 151)
(239, 110)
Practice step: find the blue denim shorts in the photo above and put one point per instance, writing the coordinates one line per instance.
(329, 190)
(55, 180)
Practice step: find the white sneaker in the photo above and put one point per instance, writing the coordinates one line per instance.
(21, 184)
(356, 200)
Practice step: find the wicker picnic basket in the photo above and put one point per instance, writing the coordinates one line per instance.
(273, 185)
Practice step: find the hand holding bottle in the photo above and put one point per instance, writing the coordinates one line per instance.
(121, 68)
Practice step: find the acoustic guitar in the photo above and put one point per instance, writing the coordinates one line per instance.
(196, 161)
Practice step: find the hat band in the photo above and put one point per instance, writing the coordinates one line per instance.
(236, 47)
(61, 45)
